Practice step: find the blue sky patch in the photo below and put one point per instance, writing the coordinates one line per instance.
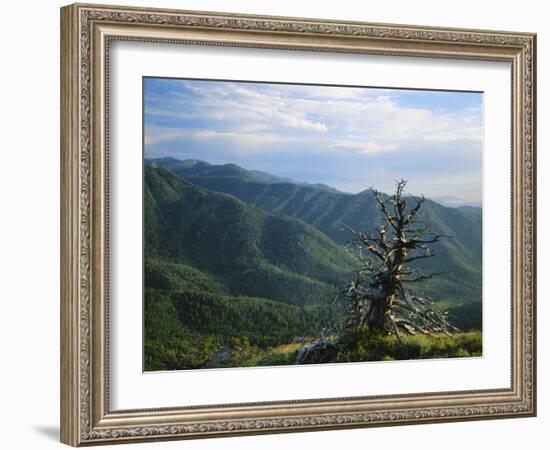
(350, 138)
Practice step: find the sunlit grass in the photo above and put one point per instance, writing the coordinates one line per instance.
(365, 346)
(375, 347)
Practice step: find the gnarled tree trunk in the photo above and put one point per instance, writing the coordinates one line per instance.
(378, 297)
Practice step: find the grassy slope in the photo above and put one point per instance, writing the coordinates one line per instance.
(370, 348)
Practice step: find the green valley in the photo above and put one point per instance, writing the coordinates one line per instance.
(242, 264)
(217, 269)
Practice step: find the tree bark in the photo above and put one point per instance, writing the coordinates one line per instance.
(381, 280)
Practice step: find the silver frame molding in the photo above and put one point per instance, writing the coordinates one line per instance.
(86, 33)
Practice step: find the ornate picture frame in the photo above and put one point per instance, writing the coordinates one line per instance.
(87, 31)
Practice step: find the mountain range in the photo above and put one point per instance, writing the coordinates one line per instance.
(235, 252)
(458, 256)
(250, 251)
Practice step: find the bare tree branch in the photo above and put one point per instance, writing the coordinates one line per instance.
(378, 297)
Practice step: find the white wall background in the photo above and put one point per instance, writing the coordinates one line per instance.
(29, 225)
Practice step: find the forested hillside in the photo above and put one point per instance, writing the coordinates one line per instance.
(458, 256)
(239, 263)
(218, 269)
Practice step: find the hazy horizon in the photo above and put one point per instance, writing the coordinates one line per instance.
(349, 138)
(444, 200)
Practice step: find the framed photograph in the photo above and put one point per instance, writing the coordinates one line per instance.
(276, 224)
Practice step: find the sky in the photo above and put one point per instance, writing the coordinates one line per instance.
(350, 138)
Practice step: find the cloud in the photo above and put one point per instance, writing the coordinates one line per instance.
(159, 135)
(367, 148)
(342, 130)
(238, 107)
(369, 115)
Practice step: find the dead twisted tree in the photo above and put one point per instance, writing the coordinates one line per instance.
(378, 297)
